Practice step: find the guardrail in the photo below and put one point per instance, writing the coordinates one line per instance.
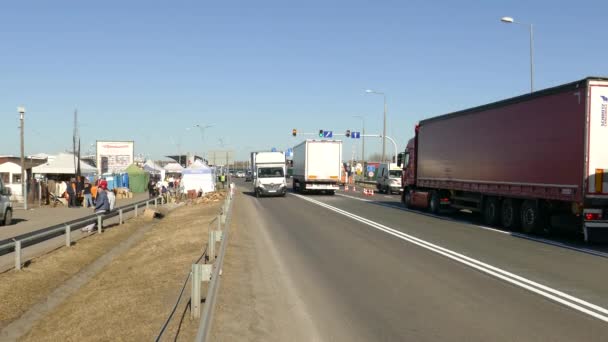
(17, 243)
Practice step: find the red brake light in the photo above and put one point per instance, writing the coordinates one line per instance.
(592, 216)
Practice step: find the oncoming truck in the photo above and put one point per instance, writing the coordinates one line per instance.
(317, 165)
(536, 162)
(268, 173)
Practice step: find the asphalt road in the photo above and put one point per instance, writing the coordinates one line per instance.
(368, 270)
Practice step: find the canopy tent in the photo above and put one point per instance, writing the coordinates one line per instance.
(198, 177)
(173, 168)
(152, 168)
(138, 179)
(63, 164)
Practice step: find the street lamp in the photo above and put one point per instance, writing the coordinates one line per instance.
(369, 91)
(363, 137)
(202, 130)
(21, 111)
(509, 20)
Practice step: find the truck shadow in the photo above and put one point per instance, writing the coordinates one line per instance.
(557, 237)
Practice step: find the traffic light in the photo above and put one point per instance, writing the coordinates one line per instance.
(348, 133)
(320, 133)
(294, 132)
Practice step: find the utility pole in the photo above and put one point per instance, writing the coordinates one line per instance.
(21, 110)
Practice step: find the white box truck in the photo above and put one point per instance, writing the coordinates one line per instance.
(317, 165)
(268, 173)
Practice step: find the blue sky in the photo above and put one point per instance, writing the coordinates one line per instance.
(147, 70)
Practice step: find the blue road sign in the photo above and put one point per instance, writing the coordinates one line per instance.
(328, 134)
(371, 168)
(355, 135)
(274, 149)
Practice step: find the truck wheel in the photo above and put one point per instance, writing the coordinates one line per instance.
(491, 211)
(8, 218)
(434, 203)
(331, 193)
(407, 198)
(510, 214)
(531, 217)
(257, 193)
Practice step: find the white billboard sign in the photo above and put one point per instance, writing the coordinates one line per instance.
(114, 156)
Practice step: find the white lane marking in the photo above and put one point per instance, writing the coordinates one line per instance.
(515, 234)
(545, 291)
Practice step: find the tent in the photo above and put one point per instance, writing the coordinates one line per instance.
(63, 164)
(138, 179)
(173, 168)
(198, 177)
(151, 167)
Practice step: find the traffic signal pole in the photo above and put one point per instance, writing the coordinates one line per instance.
(362, 135)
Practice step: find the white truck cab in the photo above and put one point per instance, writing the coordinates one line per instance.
(269, 174)
(6, 208)
(389, 178)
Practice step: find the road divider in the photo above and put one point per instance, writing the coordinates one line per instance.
(565, 299)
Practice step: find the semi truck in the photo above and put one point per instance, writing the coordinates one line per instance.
(317, 165)
(535, 162)
(268, 173)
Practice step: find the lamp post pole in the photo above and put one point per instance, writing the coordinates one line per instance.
(21, 110)
(509, 20)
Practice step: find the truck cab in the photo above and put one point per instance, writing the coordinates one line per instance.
(269, 174)
(389, 178)
(6, 208)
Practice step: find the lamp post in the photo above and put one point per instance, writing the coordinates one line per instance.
(21, 111)
(202, 130)
(369, 91)
(509, 20)
(363, 136)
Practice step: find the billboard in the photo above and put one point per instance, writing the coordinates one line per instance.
(114, 156)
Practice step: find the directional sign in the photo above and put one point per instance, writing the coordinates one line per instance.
(328, 134)
(274, 149)
(355, 135)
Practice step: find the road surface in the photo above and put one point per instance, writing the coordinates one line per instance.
(354, 270)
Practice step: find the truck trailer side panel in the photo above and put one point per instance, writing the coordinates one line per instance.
(597, 168)
(531, 147)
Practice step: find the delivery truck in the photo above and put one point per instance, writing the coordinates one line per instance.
(317, 165)
(534, 162)
(268, 173)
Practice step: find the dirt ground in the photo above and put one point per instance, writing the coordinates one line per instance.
(19, 290)
(131, 297)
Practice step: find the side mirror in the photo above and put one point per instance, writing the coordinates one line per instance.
(400, 159)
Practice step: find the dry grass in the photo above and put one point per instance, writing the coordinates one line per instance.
(131, 297)
(19, 290)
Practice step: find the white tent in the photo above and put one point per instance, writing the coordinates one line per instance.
(173, 168)
(198, 177)
(63, 163)
(151, 167)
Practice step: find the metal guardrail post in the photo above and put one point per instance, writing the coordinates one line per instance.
(120, 216)
(18, 254)
(195, 296)
(68, 235)
(136, 211)
(156, 202)
(99, 224)
(147, 204)
(211, 247)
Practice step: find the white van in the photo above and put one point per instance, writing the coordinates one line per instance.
(389, 178)
(6, 208)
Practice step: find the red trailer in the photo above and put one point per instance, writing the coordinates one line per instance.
(532, 162)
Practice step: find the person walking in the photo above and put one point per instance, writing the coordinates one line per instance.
(71, 195)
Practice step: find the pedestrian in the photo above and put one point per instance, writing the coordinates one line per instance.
(151, 188)
(88, 197)
(102, 204)
(111, 198)
(71, 195)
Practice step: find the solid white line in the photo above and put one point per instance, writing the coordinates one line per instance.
(399, 206)
(545, 291)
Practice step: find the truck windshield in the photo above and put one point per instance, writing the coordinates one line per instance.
(394, 173)
(268, 172)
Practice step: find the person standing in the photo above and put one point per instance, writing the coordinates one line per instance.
(111, 198)
(71, 195)
(88, 197)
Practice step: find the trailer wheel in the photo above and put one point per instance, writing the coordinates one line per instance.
(531, 217)
(510, 214)
(491, 211)
(434, 203)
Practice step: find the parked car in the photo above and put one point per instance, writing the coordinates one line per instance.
(240, 174)
(6, 208)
